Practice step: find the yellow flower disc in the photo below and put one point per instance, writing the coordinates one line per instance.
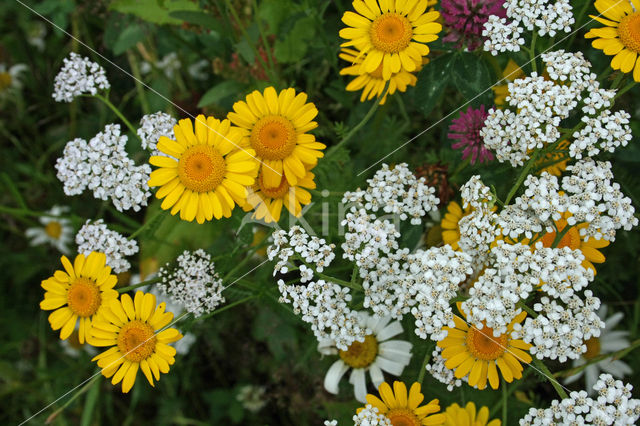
(484, 345)
(83, 297)
(629, 32)
(53, 229)
(391, 33)
(402, 417)
(201, 168)
(273, 137)
(277, 192)
(361, 354)
(137, 341)
(593, 348)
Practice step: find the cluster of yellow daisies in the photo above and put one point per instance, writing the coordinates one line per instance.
(387, 44)
(136, 330)
(259, 158)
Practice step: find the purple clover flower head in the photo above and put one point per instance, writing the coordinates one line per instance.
(466, 129)
(465, 19)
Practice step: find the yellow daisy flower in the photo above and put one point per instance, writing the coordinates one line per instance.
(372, 84)
(403, 409)
(575, 241)
(131, 328)
(511, 73)
(78, 293)
(276, 126)
(390, 33)
(467, 416)
(621, 36)
(478, 353)
(206, 173)
(267, 202)
(449, 224)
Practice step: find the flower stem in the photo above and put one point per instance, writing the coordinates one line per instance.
(113, 108)
(545, 372)
(228, 306)
(504, 403)
(425, 361)
(145, 224)
(142, 284)
(135, 69)
(532, 52)
(82, 390)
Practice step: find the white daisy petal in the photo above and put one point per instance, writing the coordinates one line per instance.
(358, 380)
(389, 331)
(333, 376)
(376, 374)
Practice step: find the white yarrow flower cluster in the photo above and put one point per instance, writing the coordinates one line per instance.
(538, 107)
(78, 76)
(396, 191)
(296, 242)
(614, 405)
(98, 237)
(559, 332)
(152, 126)
(547, 17)
(370, 416)
(103, 166)
(441, 373)
(193, 283)
(325, 306)
(478, 228)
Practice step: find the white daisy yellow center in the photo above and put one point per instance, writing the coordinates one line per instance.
(593, 348)
(5, 80)
(136, 341)
(83, 297)
(201, 168)
(361, 354)
(391, 32)
(484, 345)
(273, 137)
(402, 417)
(53, 229)
(629, 32)
(570, 239)
(277, 192)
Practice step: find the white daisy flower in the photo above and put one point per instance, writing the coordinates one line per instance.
(55, 230)
(608, 342)
(10, 76)
(376, 354)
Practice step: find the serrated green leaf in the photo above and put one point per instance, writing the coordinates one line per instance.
(432, 81)
(294, 47)
(128, 38)
(219, 92)
(155, 11)
(472, 78)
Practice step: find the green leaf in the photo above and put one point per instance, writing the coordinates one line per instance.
(156, 11)
(274, 12)
(218, 92)
(197, 18)
(472, 78)
(432, 81)
(294, 46)
(128, 38)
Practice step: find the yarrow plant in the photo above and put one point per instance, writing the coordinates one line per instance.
(79, 76)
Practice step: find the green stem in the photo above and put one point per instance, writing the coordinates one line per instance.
(504, 403)
(532, 51)
(338, 281)
(145, 224)
(618, 80)
(117, 112)
(545, 372)
(82, 390)
(267, 50)
(135, 69)
(357, 127)
(614, 355)
(225, 307)
(579, 17)
(560, 235)
(425, 361)
(522, 305)
(624, 90)
(522, 177)
(142, 284)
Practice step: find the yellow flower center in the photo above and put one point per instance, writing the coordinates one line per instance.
(402, 417)
(629, 32)
(484, 345)
(361, 354)
(53, 229)
(570, 239)
(136, 341)
(5, 80)
(278, 192)
(593, 348)
(201, 168)
(83, 297)
(391, 32)
(273, 137)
